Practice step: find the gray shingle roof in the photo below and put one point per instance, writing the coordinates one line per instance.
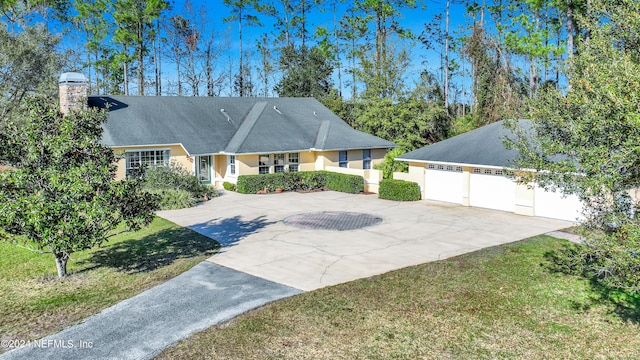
(482, 146)
(247, 125)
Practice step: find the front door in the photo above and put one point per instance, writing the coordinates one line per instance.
(204, 169)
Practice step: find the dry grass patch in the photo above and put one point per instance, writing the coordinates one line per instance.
(35, 303)
(496, 303)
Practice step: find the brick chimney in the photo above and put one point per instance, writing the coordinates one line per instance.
(73, 88)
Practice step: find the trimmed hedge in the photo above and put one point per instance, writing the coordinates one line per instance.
(229, 186)
(304, 180)
(400, 190)
(351, 184)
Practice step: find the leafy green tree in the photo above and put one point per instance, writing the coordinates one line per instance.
(135, 19)
(29, 63)
(23, 12)
(533, 41)
(389, 165)
(60, 194)
(283, 12)
(587, 141)
(90, 19)
(411, 123)
(306, 73)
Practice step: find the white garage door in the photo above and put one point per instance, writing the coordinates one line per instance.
(553, 205)
(443, 183)
(492, 190)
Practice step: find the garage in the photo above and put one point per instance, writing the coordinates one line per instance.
(443, 183)
(555, 205)
(469, 169)
(489, 188)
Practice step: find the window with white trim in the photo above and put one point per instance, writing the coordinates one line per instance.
(366, 159)
(278, 162)
(232, 164)
(294, 162)
(139, 160)
(264, 164)
(343, 161)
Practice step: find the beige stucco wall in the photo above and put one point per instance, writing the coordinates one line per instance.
(415, 174)
(177, 154)
(377, 156)
(354, 157)
(327, 158)
(247, 164)
(307, 161)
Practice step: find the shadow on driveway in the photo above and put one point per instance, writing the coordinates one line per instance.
(229, 231)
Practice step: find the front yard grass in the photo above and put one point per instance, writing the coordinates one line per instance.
(35, 303)
(497, 303)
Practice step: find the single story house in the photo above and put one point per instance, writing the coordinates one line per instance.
(471, 169)
(219, 138)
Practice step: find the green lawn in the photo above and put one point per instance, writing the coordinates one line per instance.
(34, 303)
(498, 303)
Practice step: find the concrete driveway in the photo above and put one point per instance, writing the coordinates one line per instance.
(256, 240)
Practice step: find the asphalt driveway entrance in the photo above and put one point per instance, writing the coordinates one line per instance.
(257, 240)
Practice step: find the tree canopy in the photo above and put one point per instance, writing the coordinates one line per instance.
(59, 195)
(306, 73)
(587, 141)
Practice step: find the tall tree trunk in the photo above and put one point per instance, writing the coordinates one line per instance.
(354, 86)
(156, 59)
(570, 24)
(532, 76)
(178, 74)
(241, 75)
(140, 52)
(337, 45)
(97, 71)
(304, 20)
(446, 58)
(126, 72)
(89, 66)
(209, 69)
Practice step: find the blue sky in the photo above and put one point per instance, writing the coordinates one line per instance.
(412, 19)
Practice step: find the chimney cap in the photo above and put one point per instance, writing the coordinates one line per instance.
(72, 78)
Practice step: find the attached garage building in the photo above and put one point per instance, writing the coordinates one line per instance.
(472, 169)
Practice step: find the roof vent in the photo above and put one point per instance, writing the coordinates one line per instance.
(225, 115)
(315, 114)
(277, 110)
